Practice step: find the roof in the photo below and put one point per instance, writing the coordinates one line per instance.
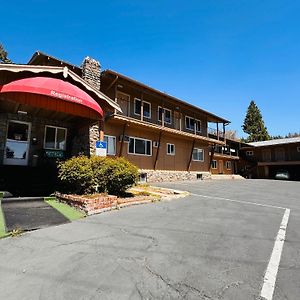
(214, 117)
(276, 142)
(39, 57)
(59, 70)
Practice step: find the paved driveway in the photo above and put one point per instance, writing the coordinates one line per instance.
(214, 244)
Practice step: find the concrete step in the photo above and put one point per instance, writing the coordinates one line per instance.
(226, 177)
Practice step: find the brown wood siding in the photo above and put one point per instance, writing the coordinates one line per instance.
(179, 161)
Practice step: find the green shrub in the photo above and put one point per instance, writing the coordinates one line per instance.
(83, 175)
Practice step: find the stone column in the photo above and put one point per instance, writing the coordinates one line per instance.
(91, 73)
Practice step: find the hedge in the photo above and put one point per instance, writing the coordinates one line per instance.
(83, 175)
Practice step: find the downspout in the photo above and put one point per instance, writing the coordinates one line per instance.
(157, 152)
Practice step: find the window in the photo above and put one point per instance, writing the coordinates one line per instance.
(214, 164)
(228, 165)
(170, 149)
(190, 124)
(139, 146)
(249, 153)
(167, 115)
(55, 138)
(298, 149)
(138, 108)
(198, 154)
(111, 144)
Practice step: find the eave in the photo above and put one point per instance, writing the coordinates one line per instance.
(165, 129)
(65, 73)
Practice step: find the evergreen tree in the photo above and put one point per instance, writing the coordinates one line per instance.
(3, 56)
(254, 125)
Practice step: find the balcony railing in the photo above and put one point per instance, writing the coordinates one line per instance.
(215, 132)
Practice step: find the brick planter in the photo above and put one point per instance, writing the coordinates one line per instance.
(90, 205)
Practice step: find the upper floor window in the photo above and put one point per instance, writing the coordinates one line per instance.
(198, 154)
(167, 115)
(170, 149)
(298, 149)
(111, 144)
(55, 138)
(249, 153)
(138, 108)
(191, 123)
(140, 146)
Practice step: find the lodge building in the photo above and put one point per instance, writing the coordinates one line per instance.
(50, 109)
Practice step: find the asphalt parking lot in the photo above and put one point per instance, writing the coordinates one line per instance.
(214, 244)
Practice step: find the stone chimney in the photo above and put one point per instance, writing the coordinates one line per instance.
(91, 72)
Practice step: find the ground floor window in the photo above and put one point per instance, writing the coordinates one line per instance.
(214, 164)
(198, 154)
(140, 146)
(55, 138)
(228, 165)
(110, 144)
(170, 149)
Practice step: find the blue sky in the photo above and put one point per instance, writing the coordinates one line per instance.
(217, 54)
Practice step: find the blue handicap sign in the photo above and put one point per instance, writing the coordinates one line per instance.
(101, 145)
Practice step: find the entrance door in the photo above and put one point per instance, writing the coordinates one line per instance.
(123, 101)
(221, 166)
(17, 143)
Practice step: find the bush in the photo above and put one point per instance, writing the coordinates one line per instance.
(83, 175)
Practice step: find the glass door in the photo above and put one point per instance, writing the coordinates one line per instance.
(17, 143)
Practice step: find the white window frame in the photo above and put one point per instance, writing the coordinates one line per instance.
(216, 164)
(139, 138)
(170, 153)
(228, 163)
(163, 111)
(249, 153)
(198, 150)
(114, 142)
(142, 104)
(195, 122)
(56, 127)
(135, 100)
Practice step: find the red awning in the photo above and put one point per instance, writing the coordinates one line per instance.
(64, 96)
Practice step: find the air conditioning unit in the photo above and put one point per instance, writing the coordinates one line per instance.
(126, 138)
(155, 144)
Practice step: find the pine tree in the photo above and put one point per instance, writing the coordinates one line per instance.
(3, 56)
(254, 124)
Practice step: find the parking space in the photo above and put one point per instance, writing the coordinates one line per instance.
(214, 244)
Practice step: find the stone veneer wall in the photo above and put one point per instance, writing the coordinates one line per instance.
(77, 139)
(164, 175)
(91, 74)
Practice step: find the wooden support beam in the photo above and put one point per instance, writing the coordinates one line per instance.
(142, 106)
(101, 130)
(122, 142)
(112, 83)
(218, 136)
(191, 156)
(158, 149)
(212, 152)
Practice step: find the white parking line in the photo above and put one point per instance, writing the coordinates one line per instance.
(273, 265)
(272, 269)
